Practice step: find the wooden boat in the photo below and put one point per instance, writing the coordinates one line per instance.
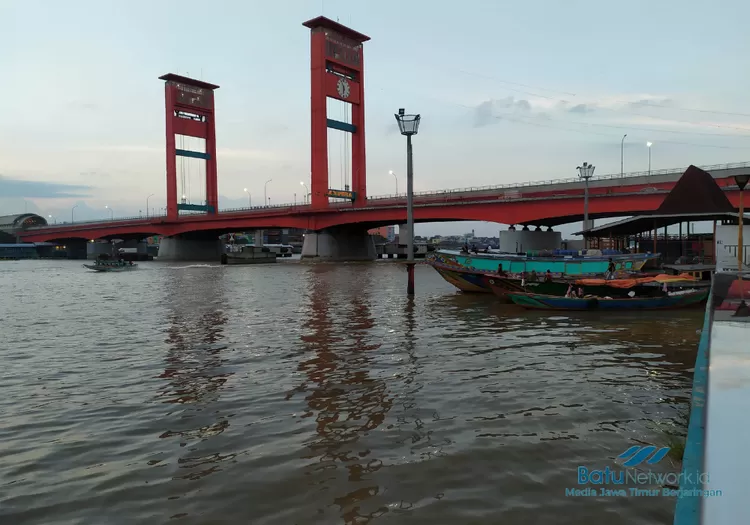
(556, 264)
(622, 287)
(553, 302)
(467, 272)
(111, 266)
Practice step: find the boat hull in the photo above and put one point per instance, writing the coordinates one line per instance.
(551, 302)
(112, 269)
(464, 280)
(502, 286)
(517, 264)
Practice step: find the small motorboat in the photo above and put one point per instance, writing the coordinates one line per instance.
(111, 266)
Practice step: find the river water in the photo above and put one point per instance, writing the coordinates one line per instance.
(319, 394)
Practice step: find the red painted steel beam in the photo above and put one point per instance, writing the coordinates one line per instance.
(505, 212)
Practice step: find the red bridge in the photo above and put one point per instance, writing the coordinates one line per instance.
(338, 230)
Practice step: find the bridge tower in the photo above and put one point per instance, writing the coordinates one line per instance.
(336, 71)
(190, 112)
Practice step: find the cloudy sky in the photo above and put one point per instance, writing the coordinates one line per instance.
(508, 91)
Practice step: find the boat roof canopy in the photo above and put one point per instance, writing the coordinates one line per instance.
(645, 223)
(695, 197)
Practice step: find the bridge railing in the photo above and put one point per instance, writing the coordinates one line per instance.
(289, 207)
(569, 180)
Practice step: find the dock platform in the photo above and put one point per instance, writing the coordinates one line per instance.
(712, 486)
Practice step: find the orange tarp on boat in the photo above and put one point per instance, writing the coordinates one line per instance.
(629, 283)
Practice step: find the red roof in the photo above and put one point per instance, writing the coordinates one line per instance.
(322, 21)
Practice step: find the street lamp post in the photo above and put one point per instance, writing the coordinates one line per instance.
(307, 192)
(622, 155)
(395, 177)
(249, 198)
(72, 210)
(586, 172)
(51, 217)
(147, 198)
(111, 213)
(265, 190)
(409, 125)
(648, 145)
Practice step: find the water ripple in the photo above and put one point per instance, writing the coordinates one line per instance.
(293, 393)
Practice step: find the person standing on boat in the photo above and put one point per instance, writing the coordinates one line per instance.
(611, 269)
(500, 270)
(548, 277)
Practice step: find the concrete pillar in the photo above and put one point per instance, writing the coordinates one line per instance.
(258, 238)
(140, 246)
(403, 234)
(76, 248)
(339, 244)
(97, 248)
(181, 249)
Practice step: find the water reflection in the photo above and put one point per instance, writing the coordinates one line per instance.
(195, 367)
(589, 359)
(346, 401)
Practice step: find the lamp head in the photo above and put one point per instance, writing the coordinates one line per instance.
(649, 144)
(741, 181)
(407, 124)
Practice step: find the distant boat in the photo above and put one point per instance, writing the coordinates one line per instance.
(673, 300)
(111, 266)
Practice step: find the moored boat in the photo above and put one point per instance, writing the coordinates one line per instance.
(680, 299)
(467, 272)
(650, 286)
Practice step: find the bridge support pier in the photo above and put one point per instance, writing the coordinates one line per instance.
(258, 238)
(180, 249)
(140, 246)
(339, 244)
(97, 248)
(403, 234)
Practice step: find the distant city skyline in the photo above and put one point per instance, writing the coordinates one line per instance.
(83, 119)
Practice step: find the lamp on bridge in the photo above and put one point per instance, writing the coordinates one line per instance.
(585, 172)
(249, 198)
(408, 125)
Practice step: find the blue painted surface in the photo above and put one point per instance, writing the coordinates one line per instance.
(688, 508)
(196, 207)
(192, 154)
(556, 265)
(341, 126)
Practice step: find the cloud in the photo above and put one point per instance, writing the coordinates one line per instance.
(81, 105)
(485, 113)
(41, 190)
(651, 101)
(581, 108)
(241, 153)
